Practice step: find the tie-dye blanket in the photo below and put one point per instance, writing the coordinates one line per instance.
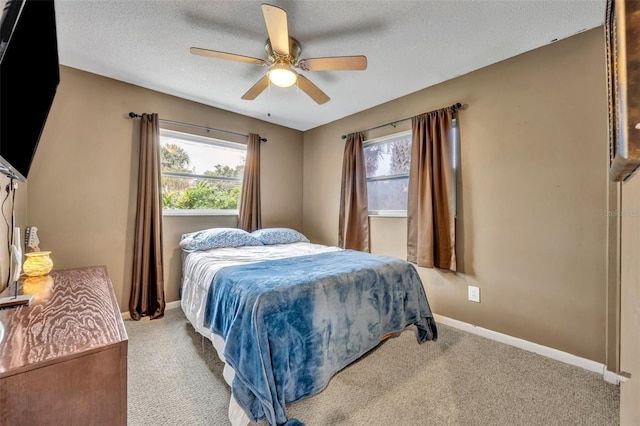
(290, 324)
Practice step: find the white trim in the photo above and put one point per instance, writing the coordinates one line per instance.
(167, 306)
(546, 351)
(611, 377)
(388, 213)
(172, 305)
(199, 212)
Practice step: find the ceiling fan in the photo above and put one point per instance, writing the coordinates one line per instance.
(283, 57)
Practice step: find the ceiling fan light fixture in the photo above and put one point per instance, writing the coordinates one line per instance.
(282, 75)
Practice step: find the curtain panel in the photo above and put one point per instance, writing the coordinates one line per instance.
(430, 210)
(250, 217)
(147, 284)
(353, 221)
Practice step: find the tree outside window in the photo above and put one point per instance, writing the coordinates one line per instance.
(200, 173)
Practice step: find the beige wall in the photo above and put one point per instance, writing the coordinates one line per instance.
(532, 228)
(630, 302)
(83, 181)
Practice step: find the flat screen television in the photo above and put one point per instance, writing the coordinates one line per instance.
(29, 78)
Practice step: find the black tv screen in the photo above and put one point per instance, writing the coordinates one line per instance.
(29, 78)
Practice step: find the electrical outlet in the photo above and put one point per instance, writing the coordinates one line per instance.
(474, 294)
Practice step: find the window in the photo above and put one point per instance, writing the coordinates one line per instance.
(200, 175)
(387, 161)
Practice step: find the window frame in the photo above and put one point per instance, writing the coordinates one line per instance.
(205, 140)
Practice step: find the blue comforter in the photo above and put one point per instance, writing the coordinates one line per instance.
(290, 324)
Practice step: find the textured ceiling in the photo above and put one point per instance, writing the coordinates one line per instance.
(410, 45)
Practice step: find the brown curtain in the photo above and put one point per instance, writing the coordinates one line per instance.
(147, 287)
(250, 215)
(353, 222)
(431, 235)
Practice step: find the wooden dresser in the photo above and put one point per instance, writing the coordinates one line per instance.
(63, 360)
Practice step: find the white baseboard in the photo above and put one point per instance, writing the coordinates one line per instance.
(172, 305)
(556, 354)
(167, 306)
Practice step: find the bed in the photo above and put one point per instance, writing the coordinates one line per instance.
(285, 315)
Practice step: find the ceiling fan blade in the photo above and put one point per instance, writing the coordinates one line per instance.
(334, 63)
(276, 20)
(312, 90)
(257, 88)
(228, 56)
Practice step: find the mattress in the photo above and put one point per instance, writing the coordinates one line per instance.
(294, 315)
(199, 269)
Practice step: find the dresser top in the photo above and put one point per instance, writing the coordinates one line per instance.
(74, 311)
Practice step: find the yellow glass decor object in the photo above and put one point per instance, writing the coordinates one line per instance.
(40, 287)
(38, 263)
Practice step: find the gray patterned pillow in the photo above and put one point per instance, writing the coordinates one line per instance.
(270, 236)
(217, 238)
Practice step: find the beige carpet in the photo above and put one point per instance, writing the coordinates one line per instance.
(462, 379)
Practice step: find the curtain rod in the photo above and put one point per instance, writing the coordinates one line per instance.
(180, 123)
(455, 107)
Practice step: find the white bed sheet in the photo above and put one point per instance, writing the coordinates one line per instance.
(198, 270)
